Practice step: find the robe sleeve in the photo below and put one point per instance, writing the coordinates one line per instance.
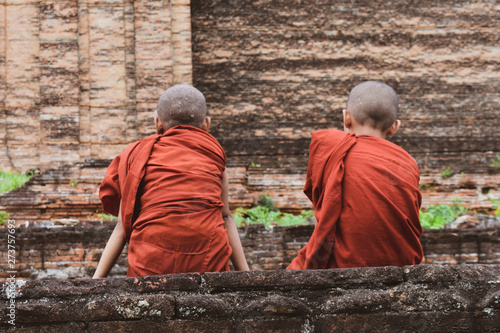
(323, 187)
(109, 192)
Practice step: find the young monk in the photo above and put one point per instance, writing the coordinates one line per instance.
(364, 189)
(170, 193)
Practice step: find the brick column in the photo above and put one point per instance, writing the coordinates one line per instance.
(4, 158)
(21, 77)
(59, 84)
(181, 42)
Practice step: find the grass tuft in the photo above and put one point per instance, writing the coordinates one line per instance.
(10, 181)
(4, 216)
(107, 217)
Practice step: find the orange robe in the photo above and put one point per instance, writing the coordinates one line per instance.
(366, 199)
(170, 189)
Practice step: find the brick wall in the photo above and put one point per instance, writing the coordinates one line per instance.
(79, 79)
(276, 71)
(73, 252)
(425, 298)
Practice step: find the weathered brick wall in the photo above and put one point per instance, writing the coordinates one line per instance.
(276, 71)
(79, 79)
(425, 298)
(73, 252)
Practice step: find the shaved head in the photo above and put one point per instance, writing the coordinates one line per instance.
(182, 105)
(374, 104)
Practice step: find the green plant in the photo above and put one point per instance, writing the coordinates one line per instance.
(107, 217)
(255, 215)
(4, 216)
(73, 182)
(426, 186)
(266, 201)
(496, 161)
(495, 206)
(267, 213)
(446, 173)
(257, 165)
(289, 219)
(436, 216)
(9, 181)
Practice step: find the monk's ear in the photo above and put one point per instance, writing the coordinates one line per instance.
(347, 119)
(205, 125)
(393, 129)
(160, 126)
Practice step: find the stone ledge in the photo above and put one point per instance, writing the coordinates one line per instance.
(392, 299)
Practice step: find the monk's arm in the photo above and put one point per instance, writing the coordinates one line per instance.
(238, 256)
(112, 250)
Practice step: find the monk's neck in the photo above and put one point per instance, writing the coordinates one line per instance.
(366, 131)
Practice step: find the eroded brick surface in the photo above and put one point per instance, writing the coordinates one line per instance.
(276, 71)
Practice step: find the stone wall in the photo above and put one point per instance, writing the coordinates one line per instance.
(425, 298)
(79, 80)
(73, 252)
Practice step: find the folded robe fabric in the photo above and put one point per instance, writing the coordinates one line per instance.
(170, 190)
(366, 199)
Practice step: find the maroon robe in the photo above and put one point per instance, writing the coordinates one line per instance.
(366, 199)
(170, 189)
